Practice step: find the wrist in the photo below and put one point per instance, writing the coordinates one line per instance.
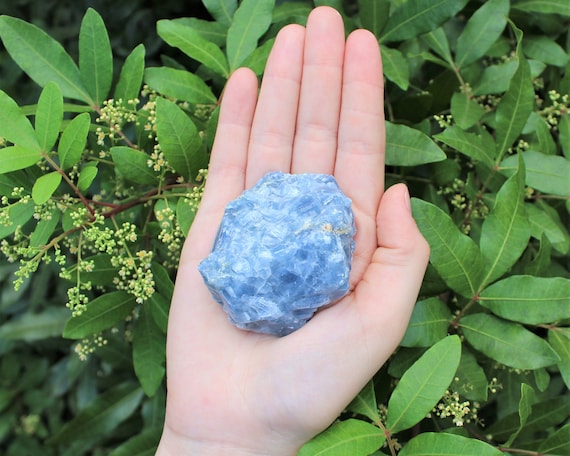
(173, 444)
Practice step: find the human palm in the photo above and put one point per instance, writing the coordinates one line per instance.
(320, 110)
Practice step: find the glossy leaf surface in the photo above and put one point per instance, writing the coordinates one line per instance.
(454, 255)
(431, 443)
(250, 21)
(353, 437)
(508, 343)
(423, 384)
(179, 139)
(41, 57)
(95, 57)
(528, 299)
(102, 313)
(49, 116)
(406, 146)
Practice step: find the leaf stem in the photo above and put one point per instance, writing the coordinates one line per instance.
(56, 167)
(388, 437)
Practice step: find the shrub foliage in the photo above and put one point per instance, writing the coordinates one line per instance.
(101, 177)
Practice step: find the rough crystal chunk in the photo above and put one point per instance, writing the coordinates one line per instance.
(283, 250)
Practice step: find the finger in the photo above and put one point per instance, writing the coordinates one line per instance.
(274, 123)
(353, 338)
(194, 317)
(315, 144)
(359, 167)
(226, 173)
(360, 162)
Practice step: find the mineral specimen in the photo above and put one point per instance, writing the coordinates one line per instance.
(284, 249)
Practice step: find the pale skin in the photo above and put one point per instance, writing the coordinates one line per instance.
(320, 109)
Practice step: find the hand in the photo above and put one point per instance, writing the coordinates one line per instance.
(320, 110)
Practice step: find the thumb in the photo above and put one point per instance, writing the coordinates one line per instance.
(349, 341)
(389, 289)
(369, 323)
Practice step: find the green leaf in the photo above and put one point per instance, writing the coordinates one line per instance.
(495, 78)
(545, 50)
(395, 67)
(471, 379)
(18, 215)
(516, 105)
(438, 42)
(559, 339)
(564, 134)
(365, 403)
(131, 77)
(102, 313)
(158, 307)
(428, 324)
(45, 186)
(506, 230)
(465, 110)
(14, 126)
(42, 58)
(258, 58)
(179, 84)
(250, 21)
(525, 408)
(102, 416)
(32, 327)
(193, 45)
(164, 283)
(547, 173)
(478, 147)
(423, 384)
(214, 32)
(544, 415)
(291, 12)
(13, 158)
(506, 342)
(49, 116)
(95, 56)
(483, 28)
(179, 139)
(221, 10)
(544, 137)
(414, 17)
(529, 300)
(561, 7)
(185, 214)
(149, 352)
(86, 177)
(406, 146)
(557, 443)
(44, 229)
(103, 271)
(353, 437)
(373, 15)
(72, 141)
(442, 443)
(132, 164)
(454, 255)
(143, 444)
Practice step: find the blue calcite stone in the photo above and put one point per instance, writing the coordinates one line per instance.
(283, 250)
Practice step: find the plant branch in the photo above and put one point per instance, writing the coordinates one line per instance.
(388, 437)
(56, 167)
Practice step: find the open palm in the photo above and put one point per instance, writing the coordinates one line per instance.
(320, 110)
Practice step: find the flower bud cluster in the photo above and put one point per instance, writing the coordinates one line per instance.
(115, 114)
(451, 406)
(135, 275)
(87, 346)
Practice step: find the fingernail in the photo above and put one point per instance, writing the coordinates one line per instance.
(407, 198)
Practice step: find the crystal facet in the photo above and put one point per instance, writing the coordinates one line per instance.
(283, 250)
